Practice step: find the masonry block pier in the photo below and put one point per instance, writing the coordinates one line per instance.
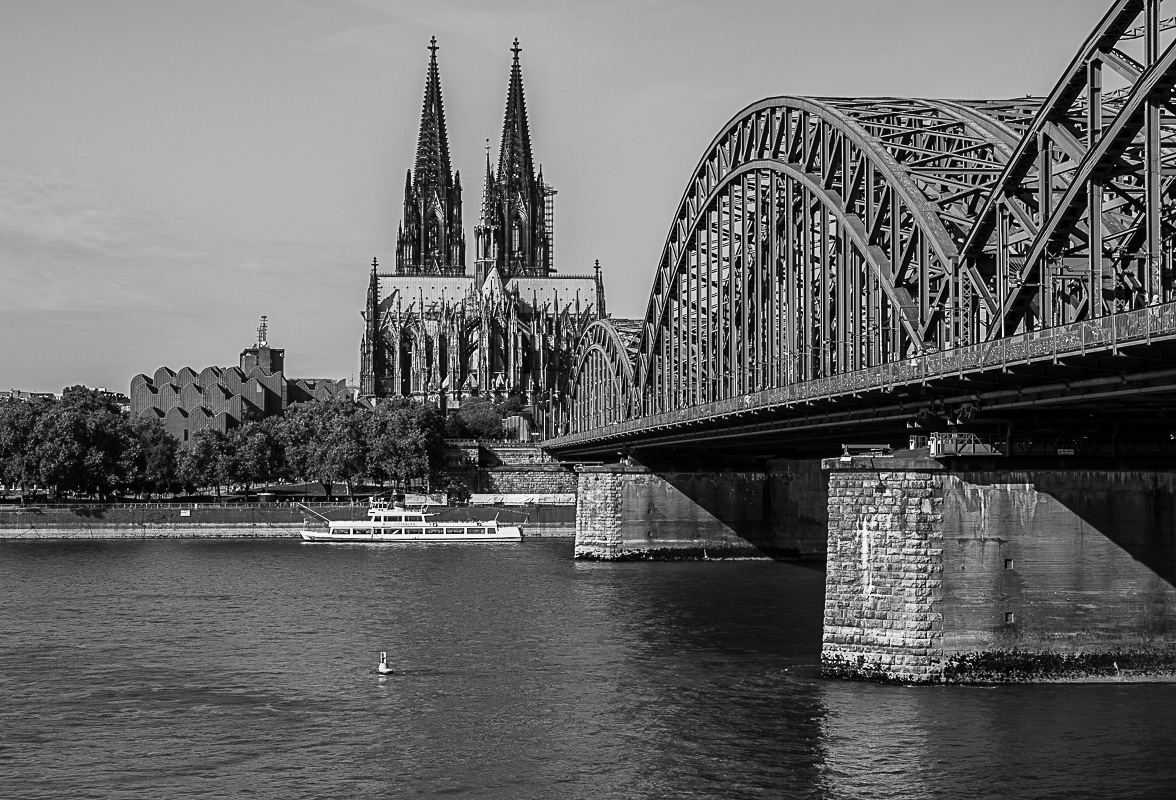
(631, 512)
(941, 573)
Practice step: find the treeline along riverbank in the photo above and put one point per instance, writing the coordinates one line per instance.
(238, 520)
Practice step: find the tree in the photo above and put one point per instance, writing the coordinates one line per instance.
(150, 458)
(515, 404)
(481, 418)
(455, 427)
(78, 444)
(405, 441)
(431, 423)
(18, 419)
(254, 455)
(346, 450)
(324, 442)
(205, 461)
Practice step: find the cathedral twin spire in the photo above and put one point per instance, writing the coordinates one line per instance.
(514, 155)
(431, 240)
(432, 156)
(513, 233)
(516, 209)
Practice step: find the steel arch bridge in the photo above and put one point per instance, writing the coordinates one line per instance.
(827, 250)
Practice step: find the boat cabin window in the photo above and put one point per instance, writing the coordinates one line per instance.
(400, 517)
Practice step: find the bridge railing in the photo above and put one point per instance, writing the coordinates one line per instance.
(1079, 338)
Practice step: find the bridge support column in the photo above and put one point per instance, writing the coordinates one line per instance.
(937, 574)
(627, 511)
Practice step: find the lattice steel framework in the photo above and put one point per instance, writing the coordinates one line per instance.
(1079, 225)
(604, 363)
(816, 237)
(820, 237)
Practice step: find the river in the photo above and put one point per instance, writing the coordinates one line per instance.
(189, 668)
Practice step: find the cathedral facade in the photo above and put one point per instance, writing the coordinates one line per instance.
(439, 331)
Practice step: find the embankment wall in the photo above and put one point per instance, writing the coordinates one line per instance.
(146, 521)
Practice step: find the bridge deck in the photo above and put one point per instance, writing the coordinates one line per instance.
(1105, 356)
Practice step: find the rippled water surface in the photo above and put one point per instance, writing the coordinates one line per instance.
(231, 669)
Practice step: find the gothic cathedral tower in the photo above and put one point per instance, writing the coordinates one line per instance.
(514, 235)
(431, 240)
(508, 327)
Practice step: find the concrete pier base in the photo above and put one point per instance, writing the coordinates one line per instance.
(941, 574)
(629, 512)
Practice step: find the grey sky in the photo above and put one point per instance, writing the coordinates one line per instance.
(169, 171)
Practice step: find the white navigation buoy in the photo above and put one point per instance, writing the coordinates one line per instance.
(383, 667)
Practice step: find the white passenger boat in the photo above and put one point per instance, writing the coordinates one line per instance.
(390, 523)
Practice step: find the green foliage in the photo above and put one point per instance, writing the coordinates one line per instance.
(405, 441)
(455, 427)
(18, 419)
(456, 489)
(205, 461)
(481, 418)
(515, 404)
(150, 458)
(254, 454)
(78, 444)
(324, 442)
(249, 454)
(84, 444)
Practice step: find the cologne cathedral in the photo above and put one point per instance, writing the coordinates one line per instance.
(436, 330)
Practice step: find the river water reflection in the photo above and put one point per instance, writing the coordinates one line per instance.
(220, 669)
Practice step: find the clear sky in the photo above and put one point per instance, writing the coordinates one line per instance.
(172, 170)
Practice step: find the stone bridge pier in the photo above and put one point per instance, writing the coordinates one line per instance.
(987, 573)
(631, 512)
(969, 571)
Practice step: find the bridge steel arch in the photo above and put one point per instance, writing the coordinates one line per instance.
(1080, 224)
(818, 237)
(820, 240)
(601, 390)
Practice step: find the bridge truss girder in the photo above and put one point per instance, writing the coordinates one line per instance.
(1080, 223)
(819, 237)
(603, 364)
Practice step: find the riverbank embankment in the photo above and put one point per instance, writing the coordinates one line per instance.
(236, 521)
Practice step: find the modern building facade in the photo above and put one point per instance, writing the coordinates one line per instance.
(439, 331)
(221, 398)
